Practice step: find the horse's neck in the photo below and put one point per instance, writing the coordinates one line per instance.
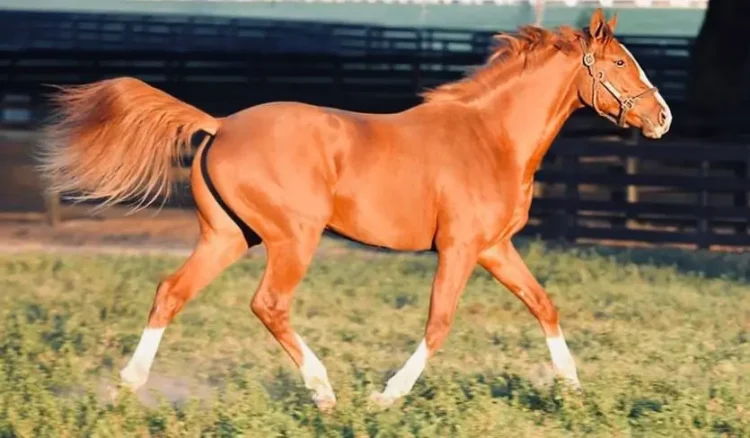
(532, 108)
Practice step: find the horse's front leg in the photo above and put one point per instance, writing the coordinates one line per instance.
(455, 265)
(505, 264)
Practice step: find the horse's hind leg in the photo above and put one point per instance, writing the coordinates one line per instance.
(215, 251)
(505, 264)
(221, 243)
(286, 266)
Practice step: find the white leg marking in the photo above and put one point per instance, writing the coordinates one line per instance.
(402, 382)
(136, 371)
(658, 96)
(562, 359)
(315, 377)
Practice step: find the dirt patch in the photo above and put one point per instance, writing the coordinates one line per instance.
(115, 230)
(175, 228)
(158, 388)
(80, 229)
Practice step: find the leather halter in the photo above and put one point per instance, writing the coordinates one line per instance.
(626, 102)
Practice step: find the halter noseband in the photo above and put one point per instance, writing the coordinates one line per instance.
(626, 102)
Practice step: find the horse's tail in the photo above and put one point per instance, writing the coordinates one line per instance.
(117, 140)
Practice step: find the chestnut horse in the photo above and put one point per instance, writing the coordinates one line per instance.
(453, 175)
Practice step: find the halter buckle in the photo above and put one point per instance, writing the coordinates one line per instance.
(588, 59)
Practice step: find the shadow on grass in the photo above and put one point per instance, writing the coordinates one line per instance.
(701, 263)
(512, 389)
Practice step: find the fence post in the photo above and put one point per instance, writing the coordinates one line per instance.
(740, 197)
(538, 185)
(52, 208)
(417, 70)
(631, 168)
(538, 193)
(703, 223)
(571, 164)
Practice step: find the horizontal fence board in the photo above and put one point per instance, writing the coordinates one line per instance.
(649, 149)
(407, 74)
(647, 236)
(642, 208)
(713, 183)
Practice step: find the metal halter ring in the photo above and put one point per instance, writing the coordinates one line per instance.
(588, 59)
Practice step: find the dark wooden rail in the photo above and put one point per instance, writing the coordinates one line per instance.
(373, 82)
(648, 191)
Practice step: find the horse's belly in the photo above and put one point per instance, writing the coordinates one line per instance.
(401, 223)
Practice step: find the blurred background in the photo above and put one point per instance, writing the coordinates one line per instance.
(598, 183)
(660, 335)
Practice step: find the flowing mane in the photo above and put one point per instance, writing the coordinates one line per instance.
(510, 52)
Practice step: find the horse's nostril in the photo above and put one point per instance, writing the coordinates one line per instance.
(662, 118)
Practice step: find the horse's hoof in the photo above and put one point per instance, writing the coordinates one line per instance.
(325, 405)
(133, 378)
(571, 385)
(574, 386)
(381, 400)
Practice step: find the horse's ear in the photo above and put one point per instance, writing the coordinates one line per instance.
(598, 26)
(612, 23)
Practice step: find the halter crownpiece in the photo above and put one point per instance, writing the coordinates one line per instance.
(627, 103)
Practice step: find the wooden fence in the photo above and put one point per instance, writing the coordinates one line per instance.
(594, 184)
(642, 190)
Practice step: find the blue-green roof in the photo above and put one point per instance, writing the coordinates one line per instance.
(632, 21)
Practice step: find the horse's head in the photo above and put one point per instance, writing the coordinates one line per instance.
(615, 86)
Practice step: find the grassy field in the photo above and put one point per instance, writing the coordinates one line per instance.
(662, 341)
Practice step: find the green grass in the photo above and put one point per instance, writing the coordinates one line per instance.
(661, 351)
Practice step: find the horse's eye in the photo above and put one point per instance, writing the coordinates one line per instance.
(620, 63)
